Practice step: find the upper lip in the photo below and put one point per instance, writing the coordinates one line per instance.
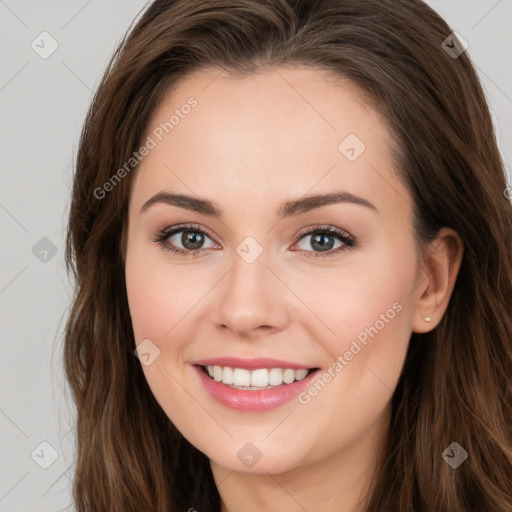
(252, 364)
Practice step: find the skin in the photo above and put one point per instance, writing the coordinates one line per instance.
(249, 145)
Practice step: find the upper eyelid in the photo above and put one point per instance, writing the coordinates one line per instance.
(324, 227)
(186, 227)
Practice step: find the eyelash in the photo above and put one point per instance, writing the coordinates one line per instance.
(348, 241)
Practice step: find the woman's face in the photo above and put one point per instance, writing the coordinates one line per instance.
(261, 291)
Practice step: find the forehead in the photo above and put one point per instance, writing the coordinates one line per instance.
(273, 133)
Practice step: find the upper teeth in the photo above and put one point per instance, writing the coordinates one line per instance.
(260, 378)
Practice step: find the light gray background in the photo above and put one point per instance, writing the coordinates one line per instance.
(43, 104)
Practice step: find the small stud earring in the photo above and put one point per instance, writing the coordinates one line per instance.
(427, 319)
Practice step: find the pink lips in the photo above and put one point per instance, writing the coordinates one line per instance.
(250, 400)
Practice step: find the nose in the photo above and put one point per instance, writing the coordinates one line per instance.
(251, 300)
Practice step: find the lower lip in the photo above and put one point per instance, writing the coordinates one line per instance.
(253, 401)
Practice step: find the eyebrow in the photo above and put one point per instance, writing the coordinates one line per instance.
(287, 209)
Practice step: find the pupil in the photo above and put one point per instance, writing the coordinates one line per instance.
(192, 240)
(319, 239)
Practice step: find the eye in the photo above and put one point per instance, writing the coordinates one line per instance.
(325, 239)
(191, 237)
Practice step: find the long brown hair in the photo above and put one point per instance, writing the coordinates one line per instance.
(456, 384)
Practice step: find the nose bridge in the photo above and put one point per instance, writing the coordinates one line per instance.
(251, 295)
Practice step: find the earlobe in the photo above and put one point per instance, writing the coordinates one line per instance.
(442, 262)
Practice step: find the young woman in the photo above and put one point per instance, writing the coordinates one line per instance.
(292, 246)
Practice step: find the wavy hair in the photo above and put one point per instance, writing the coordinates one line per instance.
(456, 383)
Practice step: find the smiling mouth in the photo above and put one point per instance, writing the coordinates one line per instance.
(253, 380)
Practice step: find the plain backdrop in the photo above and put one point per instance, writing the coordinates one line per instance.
(43, 104)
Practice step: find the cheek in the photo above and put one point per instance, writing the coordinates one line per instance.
(372, 327)
(159, 296)
(145, 299)
(369, 298)
(374, 307)
(158, 300)
(371, 318)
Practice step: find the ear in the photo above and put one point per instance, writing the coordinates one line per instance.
(436, 279)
